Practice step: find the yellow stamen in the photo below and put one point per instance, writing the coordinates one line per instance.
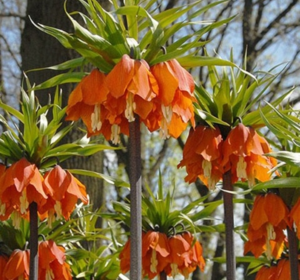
(115, 131)
(23, 202)
(16, 219)
(241, 168)
(271, 235)
(49, 274)
(58, 210)
(174, 269)
(95, 118)
(130, 107)
(2, 208)
(154, 262)
(206, 165)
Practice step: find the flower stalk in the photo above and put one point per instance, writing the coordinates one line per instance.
(33, 242)
(229, 226)
(135, 199)
(293, 254)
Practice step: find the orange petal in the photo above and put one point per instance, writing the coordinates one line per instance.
(120, 76)
(94, 89)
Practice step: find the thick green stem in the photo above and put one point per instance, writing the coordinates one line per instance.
(33, 242)
(229, 226)
(293, 254)
(135, 200)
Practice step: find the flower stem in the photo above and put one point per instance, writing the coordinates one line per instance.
(163, 276)
(293, 254)
(229, 226)
(33, 242)
(135, 199)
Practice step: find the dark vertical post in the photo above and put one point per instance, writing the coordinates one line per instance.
(293, 254)
(135, 199)
(229, 226)
(33, 242)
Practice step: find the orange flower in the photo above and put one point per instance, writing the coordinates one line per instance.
(243, 153)
(155, 253)
(17, 267)
(21, 184)
(202, 157)
(52, 263)
(295, 216)
(64, 191)
(176, 97)
(131, 83)
(266, 226)
(186, 255)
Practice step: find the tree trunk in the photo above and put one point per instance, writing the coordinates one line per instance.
(38, 50)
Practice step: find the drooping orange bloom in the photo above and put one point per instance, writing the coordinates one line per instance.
(243, 154)
(17, 266)
(295, 216)
(268, 220)
(21, 184)
(202, 156)
(52, 263)
(186, 255)
(64, 190)
(155, 253)
(176, 97)
(131, 83)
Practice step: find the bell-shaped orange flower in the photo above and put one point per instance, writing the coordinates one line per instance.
(64, 191)
(202, 156)
(17, 266)
(186, 255)
(52, 263)
(243, 154)
(21, 184)
(131, 84)
(176, 97)
(266, 226)
(125, 257)
(155, 253)
(86, 102)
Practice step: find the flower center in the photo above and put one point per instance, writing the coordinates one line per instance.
(95, 118)
(130, 107)
(16, 219)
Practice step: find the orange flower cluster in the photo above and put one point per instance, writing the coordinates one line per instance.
(22, 183)
(268, 220)
(52, 264)
(208, 156)
(279, 271)
(161, 95)
(178, 254)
